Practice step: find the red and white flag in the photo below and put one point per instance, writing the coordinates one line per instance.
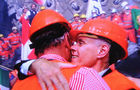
(26, 52)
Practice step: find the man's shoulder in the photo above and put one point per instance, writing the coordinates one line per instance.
(87, 78)
(27, 84)
(79, 69)
(10, 35)
(121, 80)
(70, 68)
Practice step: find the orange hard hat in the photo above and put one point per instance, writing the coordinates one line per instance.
(45, 18)
(42, 7)
(76, 15)
(133, 7)
(106, 29)
(83, 16)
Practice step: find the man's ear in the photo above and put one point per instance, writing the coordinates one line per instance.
(103, 50)
(67, 40)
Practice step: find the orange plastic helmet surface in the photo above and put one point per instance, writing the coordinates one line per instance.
(76, 15)
(106, 29)
(133, 7)
(83, 16)
(45, 18)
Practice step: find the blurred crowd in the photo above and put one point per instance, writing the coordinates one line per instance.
(10, 48)
(128, 19)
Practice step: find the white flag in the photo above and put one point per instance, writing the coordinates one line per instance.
(93, 5)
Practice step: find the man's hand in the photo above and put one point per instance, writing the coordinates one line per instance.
(49, 73)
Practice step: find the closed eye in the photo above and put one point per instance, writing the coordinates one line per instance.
(80, 42)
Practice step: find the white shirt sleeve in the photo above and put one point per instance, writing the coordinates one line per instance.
(25, 67)
(103, 72)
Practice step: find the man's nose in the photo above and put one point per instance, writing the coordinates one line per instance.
(73, 47)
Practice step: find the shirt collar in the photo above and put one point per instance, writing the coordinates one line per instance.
(53, 57)
(102, 72)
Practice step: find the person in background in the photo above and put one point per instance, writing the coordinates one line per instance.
(31, 13)
(103, 15)
(83, 20)
(117, 19)
(138, 32)
(42, 8)
(6, 52)
(113, 13)
(14, 39)
(3, 55)
(136, 21)
(13, 77)
(76, 21)
(23, 16)
(1, 50)
(6, 48)
(128, 25)
(94, 14)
